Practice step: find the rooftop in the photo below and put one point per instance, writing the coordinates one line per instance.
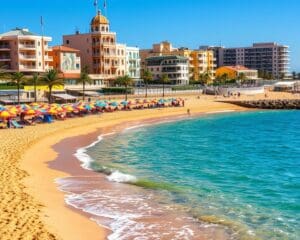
(18, 32)
(64, 49)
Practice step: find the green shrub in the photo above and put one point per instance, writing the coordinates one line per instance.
(117, 90)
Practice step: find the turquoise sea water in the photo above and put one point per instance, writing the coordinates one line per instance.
(241, 170)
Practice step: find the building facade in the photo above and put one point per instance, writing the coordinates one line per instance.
(99, 50)
(199, 61)
(133, 63)
(271, 58)
(66, 61)
(233, 72)
(24, 51)
(175, 67)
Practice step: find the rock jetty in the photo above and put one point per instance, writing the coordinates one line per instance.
(268, 103)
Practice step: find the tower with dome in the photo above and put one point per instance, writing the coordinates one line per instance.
(99, 50)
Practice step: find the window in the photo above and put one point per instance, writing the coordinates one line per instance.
(67, 41)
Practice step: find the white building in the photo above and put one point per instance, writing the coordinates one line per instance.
(133, 63)
(175, 67)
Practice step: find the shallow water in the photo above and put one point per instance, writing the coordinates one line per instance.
(239, 172)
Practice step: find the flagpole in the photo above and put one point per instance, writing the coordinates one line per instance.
(43, 44)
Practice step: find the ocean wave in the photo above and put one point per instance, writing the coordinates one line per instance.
(83, 157)
(117, 176)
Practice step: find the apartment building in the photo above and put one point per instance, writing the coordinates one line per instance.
(199, 61)
(99, 50)
(175, 67)
(272, 58)
(133, 63)
(24, 51)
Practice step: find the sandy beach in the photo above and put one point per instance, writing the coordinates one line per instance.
(31, 206)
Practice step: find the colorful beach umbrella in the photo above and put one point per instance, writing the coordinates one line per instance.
(30, 112)
(6, 114)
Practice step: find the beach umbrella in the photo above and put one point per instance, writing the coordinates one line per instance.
(6, 114)
(2, 108)
(114, 104)
(52, 111)
(69, 109)
(30, 112)
(34, 104)
(100, 104)
(80, 108)
(88, 107)
(124, 103)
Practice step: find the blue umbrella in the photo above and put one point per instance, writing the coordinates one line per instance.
(100, 104)
(88, 107)
(114, 104)
(124, 103)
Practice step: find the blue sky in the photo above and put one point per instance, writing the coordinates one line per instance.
(187, 23)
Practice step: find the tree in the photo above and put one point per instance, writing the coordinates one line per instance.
(84, 79)
(224, 78)
(147, 77)
(18, 78)
(164, 80)
(35, 81)
(125, 81)
(52, 79)
(205, 78)
(298, 75)
(294, 75)
(242, 77)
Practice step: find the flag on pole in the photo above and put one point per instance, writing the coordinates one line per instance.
(105, 4)
(95, 3)
(42, 21)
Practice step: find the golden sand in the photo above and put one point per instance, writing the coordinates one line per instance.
(31, 207)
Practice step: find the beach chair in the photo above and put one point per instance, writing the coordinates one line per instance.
(15, 124)
(3, 125)
(48, 119)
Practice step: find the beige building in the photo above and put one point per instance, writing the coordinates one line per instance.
(99, 50)
(24, 51)
(199, 61)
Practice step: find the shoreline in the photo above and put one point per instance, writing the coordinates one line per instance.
(74, 168)
(40, 188)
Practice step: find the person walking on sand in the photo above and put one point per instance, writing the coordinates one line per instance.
(188, 112)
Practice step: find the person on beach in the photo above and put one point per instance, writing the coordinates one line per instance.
(188, 112)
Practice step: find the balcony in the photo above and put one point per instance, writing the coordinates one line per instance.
(27, 46)
(27, 68)
(5, 58)
(27, 57)
(4, 47)
(48, 58)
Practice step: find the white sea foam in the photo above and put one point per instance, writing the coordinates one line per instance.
(83, 157)
(134, 127)
(119, 177)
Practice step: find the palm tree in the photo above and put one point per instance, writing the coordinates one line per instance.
(242, 77)
(202, 79)
(35, 81)
(147, 77)
(52, 79)
(84, 79)
(18, 78)
(164, 79)
(124, 81)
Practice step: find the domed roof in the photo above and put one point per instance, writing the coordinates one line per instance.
(99, 19)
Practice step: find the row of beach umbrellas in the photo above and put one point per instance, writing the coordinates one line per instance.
(54, 108)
